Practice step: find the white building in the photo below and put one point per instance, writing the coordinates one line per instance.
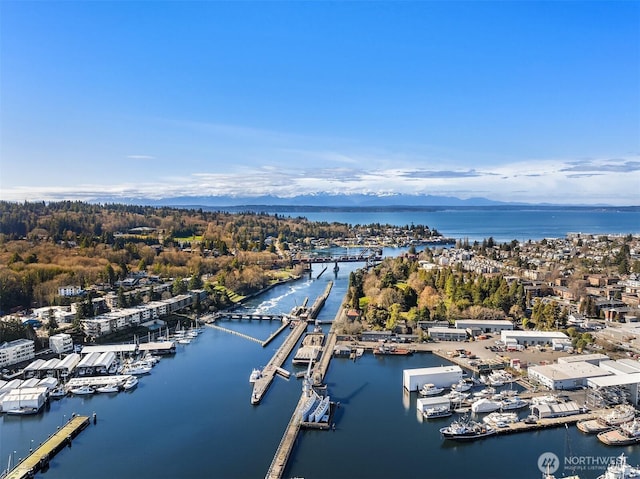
(61, 343)
(485, 325)
(447, 334)
(532, 338)
(69, 291)
(16, 351)
(628, 382)
(565, 375)
(24, 397)
(596, 359)
(441, 376)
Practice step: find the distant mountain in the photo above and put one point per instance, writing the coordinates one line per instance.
(314, 201)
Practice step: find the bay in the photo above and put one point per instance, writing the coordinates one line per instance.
(502, 224)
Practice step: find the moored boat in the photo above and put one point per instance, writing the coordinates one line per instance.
(624, 435)
(255, 375)
(513, 403)
(57, 393)
(392, 350)
(430, 390)
(485, 405)
(108, 388)
(130, 383)
(22, 411)
(465, 430)
(436, 412)
(619, 469)
(82, 390)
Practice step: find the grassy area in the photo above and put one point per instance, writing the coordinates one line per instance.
(232, 295)
(188, 239)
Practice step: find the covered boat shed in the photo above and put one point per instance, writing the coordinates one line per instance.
(630, 382)
(440, 376)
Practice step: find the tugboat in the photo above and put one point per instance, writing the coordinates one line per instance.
(626, 434)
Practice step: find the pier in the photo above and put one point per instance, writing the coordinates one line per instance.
(248, 316)
(231, 331)
(39, 459)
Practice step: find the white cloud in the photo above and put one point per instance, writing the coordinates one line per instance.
(614, 182)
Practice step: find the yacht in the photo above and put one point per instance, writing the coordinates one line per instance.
(130, 383)
(500, 417)
(255, 375)
(513, 403)
(620, 470)
(57, 393)
(108, 388)
(461, 386)
(436, 411)
(485, 405)
(430, 390)
(82, 390)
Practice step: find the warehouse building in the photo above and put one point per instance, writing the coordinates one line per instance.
(570, 375)
(441, 376)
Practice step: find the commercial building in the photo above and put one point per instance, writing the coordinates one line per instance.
(596, 359)
(532, 338)
(447, 334)
(570, 375)
(24, 398)
(16, 351)
(480, 326)
(441, 376)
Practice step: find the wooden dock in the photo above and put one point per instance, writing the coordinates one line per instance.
(281, 457)
(546, 423)
(40, 458)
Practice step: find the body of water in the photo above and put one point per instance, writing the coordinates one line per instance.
(192, 417)
(503, 224)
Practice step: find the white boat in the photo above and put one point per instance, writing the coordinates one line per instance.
(130, 383)
(436, 411)
(22, 411)
(137, 369)
(184, 341)
(108, 388)
(486, 392)
(255, 375)
(82, 390)
(500, 417)
(618, 415)
(430, 390)
(620, 470)
(57, 393)
(461, 386)
(485, 405)
(513, 403)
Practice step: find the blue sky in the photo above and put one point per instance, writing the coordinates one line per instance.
(510, 100)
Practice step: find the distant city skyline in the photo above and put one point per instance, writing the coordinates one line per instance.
(532, 102)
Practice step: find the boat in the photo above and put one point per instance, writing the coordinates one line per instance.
(461, 386)
(618, 415)
(430, 390)
(466, 430)
(255, 375)
(22, 411)
(500, 417)
(392, 350)
(513, 403)
(57, 393)
(619, 469)
(108, 388)
(624, 435)
(137, 369)
(130, 383)
(485, 405)
(82, 390)
(437, 411)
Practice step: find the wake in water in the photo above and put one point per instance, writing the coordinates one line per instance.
(268, 305)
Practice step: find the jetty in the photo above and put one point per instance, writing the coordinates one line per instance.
(39, 459)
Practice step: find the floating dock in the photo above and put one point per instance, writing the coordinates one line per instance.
(39, 459)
